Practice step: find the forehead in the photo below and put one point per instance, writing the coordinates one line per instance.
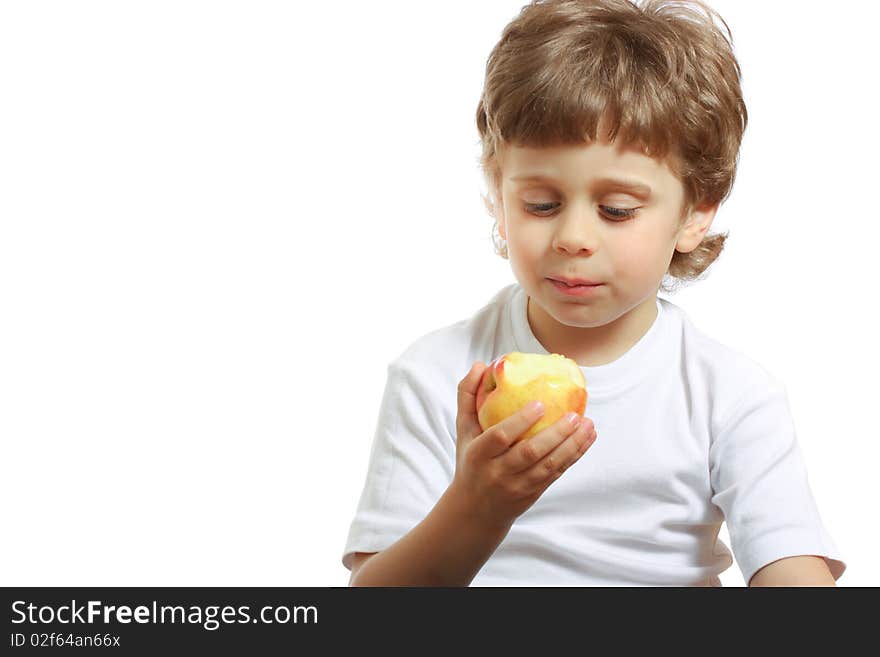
(583, 163)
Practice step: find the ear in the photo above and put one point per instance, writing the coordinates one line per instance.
(695, 227)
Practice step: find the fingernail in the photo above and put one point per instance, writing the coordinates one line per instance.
(536, 406)
(573, 418)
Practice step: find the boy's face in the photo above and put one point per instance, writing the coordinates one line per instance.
(572, 225)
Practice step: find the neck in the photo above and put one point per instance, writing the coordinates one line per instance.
(592, 347)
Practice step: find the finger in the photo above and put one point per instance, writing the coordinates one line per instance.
(527, 453)
(497, 439)
(466, 422)
(552, 466)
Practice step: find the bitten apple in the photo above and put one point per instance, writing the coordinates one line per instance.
(513, 380)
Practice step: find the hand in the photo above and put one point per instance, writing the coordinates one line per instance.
(501, 477)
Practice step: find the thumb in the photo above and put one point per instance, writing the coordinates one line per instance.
(466, 422)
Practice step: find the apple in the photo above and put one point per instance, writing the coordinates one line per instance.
(513, 380)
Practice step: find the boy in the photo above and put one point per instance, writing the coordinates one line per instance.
(610, 135)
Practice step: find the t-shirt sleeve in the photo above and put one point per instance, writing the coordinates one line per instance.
(412, 459)
(759, 481)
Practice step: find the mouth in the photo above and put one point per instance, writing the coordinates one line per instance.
(574, 282)
(576, 290)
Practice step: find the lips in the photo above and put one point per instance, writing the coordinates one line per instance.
(573, 282)
(578, 291)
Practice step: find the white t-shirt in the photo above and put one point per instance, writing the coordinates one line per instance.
(691, 434)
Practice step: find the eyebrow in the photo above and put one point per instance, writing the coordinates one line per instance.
(609, 183)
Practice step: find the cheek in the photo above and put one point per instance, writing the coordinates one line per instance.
(527, 242)
(639, 255)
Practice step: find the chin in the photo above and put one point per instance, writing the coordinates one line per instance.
(573, 315)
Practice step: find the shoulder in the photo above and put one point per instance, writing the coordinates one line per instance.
(448, 352)
(723, 371)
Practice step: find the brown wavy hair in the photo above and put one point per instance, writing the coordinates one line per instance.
(660, 74)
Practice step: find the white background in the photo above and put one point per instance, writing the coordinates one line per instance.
(219, 221)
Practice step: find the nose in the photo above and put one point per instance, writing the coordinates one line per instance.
(576, 232)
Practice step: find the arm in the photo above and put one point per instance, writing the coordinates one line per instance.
(497, 477)
(760, 483)
(447, 548)
(794, 571)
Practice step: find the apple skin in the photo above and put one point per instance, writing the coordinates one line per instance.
(513, 380)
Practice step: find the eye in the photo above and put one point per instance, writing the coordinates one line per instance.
(614, 214)
(539, 208)
(620, 214)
